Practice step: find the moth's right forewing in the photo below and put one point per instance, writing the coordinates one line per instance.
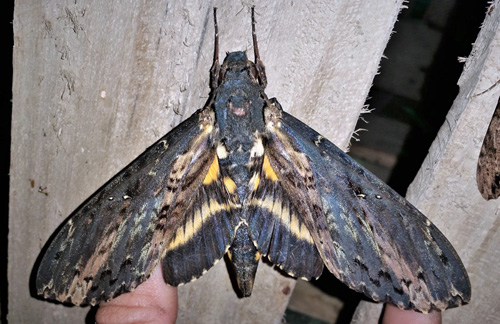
(371, 238)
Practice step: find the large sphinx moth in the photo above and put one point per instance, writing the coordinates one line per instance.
(243, 177)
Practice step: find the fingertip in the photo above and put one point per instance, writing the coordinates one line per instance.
(393, 314)
(152, 302)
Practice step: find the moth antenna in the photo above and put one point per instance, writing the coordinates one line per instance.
(258, 63)
(254, 37)
(215, 69)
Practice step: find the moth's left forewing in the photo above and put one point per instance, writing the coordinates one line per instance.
(371, 238)
(112, 242)
(170, 203)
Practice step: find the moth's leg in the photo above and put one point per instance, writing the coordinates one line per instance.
(215, 69)
(258, 63)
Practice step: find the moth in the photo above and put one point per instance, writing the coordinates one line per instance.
(488, 164)
(243, 177)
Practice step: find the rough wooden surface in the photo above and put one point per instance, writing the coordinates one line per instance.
(445, 188)
(95, 83)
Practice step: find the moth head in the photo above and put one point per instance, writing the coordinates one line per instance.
(237, 64)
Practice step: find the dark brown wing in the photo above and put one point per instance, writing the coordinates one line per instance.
(277, 229)
(488, 164)
(368, 236)
(170, 200)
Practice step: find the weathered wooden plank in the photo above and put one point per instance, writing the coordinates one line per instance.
(96, 82)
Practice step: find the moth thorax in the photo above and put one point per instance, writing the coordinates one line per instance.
(238, 106)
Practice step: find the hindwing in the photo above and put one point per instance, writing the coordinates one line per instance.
(368, 236)
(207, 220)
(275, 225)
(169, 201)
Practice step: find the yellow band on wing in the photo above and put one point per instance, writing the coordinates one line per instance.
(213, 172)
(268, 169)
(230, 185)
(285, 216)
(194, 222)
